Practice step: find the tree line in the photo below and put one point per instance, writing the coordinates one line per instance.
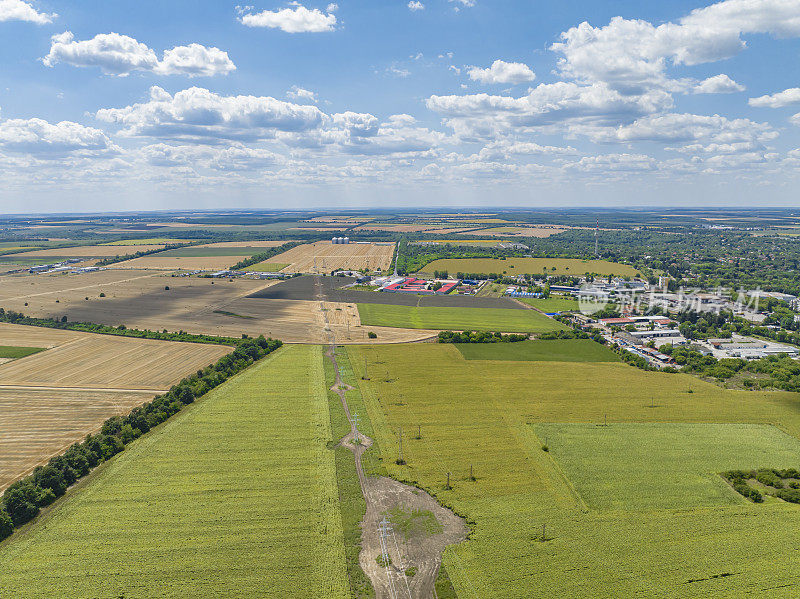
(478, 337)
(23, 500)
(263, 256)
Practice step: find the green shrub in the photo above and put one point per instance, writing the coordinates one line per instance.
(6, 525)
(790, 495)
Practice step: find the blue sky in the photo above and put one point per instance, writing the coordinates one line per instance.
(154, 105)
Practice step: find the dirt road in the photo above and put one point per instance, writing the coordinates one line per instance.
(401, 522)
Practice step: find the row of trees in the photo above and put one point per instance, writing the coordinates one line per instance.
(22, 501)
(89, 327)
(479, 337)
(738, 479)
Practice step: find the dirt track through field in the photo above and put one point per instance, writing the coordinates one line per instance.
(381, 494)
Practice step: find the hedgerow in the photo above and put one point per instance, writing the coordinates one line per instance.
(263, 256)
(478, 337)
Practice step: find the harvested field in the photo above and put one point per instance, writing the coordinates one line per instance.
(21, 336)
(139, 300)
(235, 496)
(519, 266)
(36, 424)
(321, 229)
(245, 244)
(86, 251)
(192, 258)
(324, 256)
(57, 292)
(401, 228)
(210, 256)
(188, 263)
(110, 362)
(148, 241)
(521, 231)
(51, 399)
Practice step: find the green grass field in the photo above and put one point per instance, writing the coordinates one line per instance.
(551, 350)
(267, 267)
(554, 303)
(629, 466)
(489, 415)
(14, 352)
(235, 496)
(535, 266)
(473, 319)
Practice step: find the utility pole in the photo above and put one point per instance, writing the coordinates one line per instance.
(448, 487)
(419, 431)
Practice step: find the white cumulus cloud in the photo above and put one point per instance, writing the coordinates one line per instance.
(634, 54)
(785, 98)
(18, 10)
(293, 20)
(197, 114)
(718, 84)
(43, 139)
(415, 5)
(195, 60)
(302, 95)
(120, 55)
(502, 72)
(686, 128)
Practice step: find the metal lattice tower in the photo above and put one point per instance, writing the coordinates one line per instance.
(355, 428)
